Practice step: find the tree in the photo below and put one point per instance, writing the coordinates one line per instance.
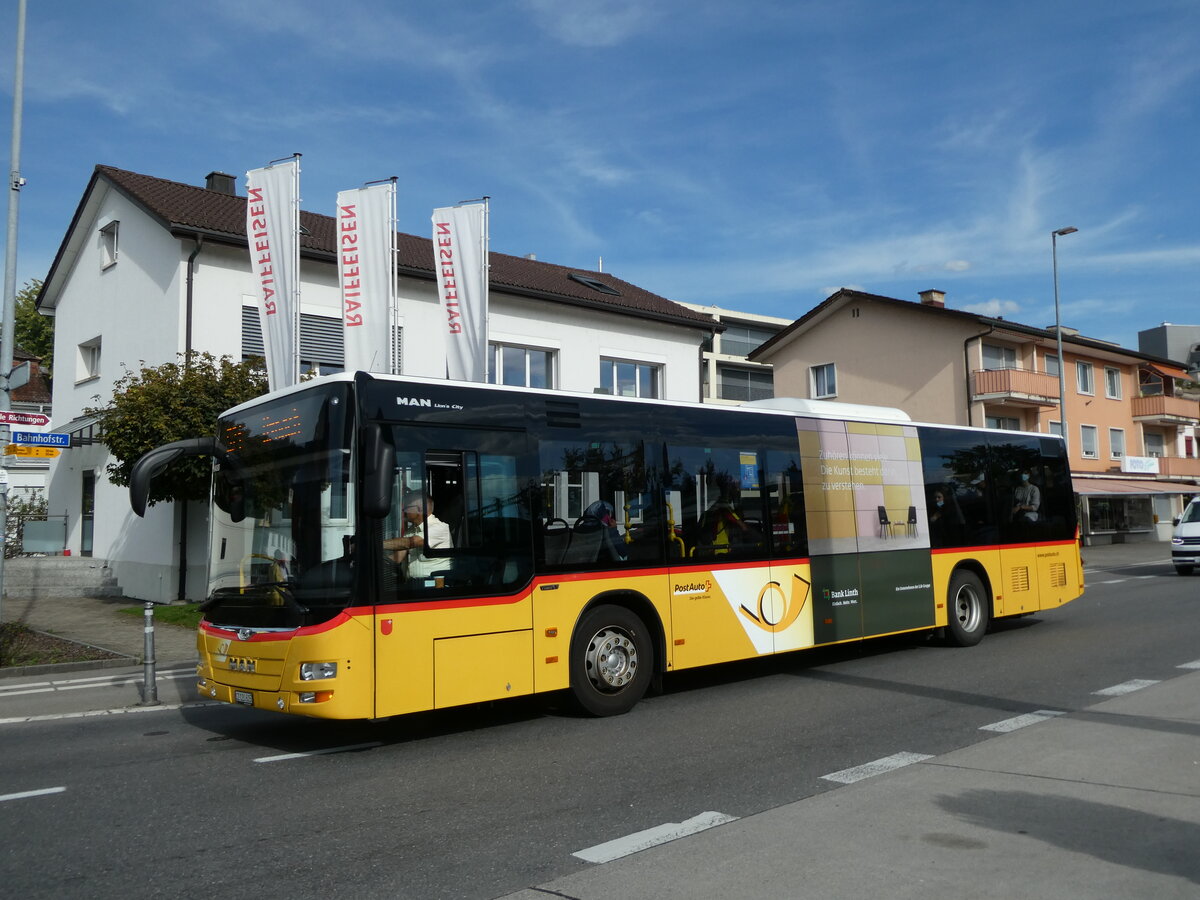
(156, 405)
(34, 332)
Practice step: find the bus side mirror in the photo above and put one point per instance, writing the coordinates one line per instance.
(154, 461)
(379, 467)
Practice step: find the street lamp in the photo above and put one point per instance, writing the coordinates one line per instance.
(1062, 364)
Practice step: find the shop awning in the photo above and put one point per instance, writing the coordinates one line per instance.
(1130, 486)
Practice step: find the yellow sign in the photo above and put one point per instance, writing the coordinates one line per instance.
(24, 450)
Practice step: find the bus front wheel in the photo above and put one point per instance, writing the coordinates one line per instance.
(967, 609)
(612, 661)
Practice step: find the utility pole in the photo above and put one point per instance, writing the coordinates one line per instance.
(15, 183)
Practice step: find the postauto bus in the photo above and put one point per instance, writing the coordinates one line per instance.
(593, 544)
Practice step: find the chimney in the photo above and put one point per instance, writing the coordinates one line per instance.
(933, 298)
(221, 182)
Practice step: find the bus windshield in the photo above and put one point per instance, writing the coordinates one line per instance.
(283, 513)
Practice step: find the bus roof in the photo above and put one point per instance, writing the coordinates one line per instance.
(819, 409)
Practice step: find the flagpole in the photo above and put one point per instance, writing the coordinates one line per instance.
(487, 269)
(295, 249)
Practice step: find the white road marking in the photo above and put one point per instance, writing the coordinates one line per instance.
(652, 837)
(346, 749)
(95, 681)
(878, 767)
(1007, 725)
(40, 793)
(92, 713)
(1114, 581)
(1194, 664)
(1127, 687)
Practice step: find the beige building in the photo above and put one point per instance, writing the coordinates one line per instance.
(1133, 420)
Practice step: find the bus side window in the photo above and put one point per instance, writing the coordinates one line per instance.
(599, 506)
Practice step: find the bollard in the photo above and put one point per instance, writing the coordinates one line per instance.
(150, 688)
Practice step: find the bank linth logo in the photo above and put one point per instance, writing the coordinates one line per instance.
(776, 611)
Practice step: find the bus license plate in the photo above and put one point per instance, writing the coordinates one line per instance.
(244, 697)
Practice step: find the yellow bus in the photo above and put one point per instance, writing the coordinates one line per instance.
(384, 545)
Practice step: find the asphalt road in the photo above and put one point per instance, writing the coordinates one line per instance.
(218, 801)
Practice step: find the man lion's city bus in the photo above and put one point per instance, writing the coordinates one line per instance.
(595, 542)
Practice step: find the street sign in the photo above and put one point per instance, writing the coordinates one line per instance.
(42, 438)
(27, 452)
(7, 417)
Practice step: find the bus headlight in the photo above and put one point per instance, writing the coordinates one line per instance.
(317, 671)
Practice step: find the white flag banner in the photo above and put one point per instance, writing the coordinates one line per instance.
(460, 264)
(366, 223)
(273, 229)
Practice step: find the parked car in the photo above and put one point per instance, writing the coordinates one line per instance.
(1185, 542)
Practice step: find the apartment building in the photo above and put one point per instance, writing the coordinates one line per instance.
(1132, 419)
(727, 376)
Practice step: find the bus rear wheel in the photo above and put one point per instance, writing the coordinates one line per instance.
(612, 661)
(967, 609)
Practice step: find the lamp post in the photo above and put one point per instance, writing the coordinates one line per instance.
(1062, 363)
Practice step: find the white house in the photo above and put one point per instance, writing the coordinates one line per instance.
(149, 268)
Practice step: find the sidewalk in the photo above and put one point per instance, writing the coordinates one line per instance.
(99, 623)
(1103, 802)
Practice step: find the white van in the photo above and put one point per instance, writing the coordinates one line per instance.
(1185, 543)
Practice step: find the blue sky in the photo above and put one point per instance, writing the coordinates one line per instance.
(746, 154)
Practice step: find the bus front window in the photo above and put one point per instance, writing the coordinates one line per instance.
(282, 521)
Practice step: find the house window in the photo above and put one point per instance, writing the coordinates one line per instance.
(996, 356)
(1156, 445)
(1055, 428)
(629, 379)
(1116, 442)
(108, 244)
(1050, 364)
(739, 340)
(321, 348)
(1112, 383)
(520, 366)
(744, 384)
(824, 381)
(1083, 378)
(1008, 423)
(1087, 441)
(87, 360)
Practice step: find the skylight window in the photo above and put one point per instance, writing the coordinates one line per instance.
(589, 281)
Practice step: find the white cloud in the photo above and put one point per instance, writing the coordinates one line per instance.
(994, 308)
(592, 23)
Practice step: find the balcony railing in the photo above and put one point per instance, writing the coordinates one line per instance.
(1020, 387)
(1178, 467)
(1166, 410)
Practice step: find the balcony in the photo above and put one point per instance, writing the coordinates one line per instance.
(1163, 410)
(1178, 467)
(1015, 387)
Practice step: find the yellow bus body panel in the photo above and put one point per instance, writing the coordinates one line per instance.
(266, 668)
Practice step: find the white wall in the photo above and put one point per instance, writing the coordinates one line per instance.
(137, 308)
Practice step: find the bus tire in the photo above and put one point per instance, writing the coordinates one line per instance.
(967, 609)
(612, 661)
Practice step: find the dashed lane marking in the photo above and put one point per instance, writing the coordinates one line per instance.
(1194, 664)
(347, 749)
(38, 793)
(1016, 722)
(652, 837)
(878, 767)
(1126, 687)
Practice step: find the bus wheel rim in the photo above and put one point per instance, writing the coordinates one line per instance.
(611, 659)
(968, 608)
